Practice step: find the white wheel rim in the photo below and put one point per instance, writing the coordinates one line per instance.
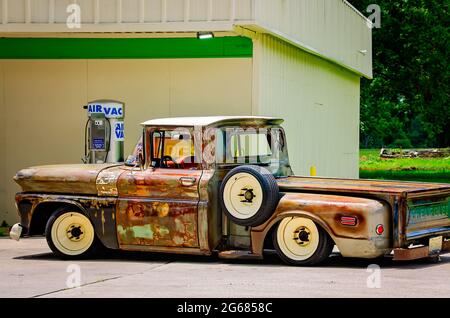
(298, 238)
(243, 196)
(72, 233)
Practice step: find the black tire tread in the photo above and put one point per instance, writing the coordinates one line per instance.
(94, 248)
(270, 187)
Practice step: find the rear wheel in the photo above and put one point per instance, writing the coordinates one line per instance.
(299, 241)
(71, 235)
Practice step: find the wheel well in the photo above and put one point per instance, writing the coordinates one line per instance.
(268, 241)
(42, 213)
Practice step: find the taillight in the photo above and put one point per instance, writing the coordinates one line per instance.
(349, 220)
(379, 229)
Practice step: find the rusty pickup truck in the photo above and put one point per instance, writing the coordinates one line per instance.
(224, 185)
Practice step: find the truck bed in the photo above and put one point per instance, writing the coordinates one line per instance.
(420, 210)
(359, 186)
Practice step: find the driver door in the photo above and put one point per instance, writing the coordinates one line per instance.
(158, 206)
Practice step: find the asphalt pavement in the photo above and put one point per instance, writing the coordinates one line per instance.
(29, 269)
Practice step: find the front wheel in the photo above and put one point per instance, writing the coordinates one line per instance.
(70, 235)
(299, 241)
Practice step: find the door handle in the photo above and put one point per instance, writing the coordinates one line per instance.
(187, 182)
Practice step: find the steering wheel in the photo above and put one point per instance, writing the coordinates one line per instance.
(166, 161)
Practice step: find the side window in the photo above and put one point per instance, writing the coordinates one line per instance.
(250, 145)
(173, 149)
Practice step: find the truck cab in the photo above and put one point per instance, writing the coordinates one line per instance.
(176, 188)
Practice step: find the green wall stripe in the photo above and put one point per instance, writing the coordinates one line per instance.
(114, 48)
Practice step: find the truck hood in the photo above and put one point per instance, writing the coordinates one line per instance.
(352, 186)
(64, 179)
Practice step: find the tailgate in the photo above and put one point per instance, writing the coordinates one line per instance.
(428, 215)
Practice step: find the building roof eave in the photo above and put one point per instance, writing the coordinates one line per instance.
(253, 29)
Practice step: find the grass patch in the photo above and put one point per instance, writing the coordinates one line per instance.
(4, 231)
(408, 169)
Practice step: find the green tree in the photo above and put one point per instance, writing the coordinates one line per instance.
(407, 102)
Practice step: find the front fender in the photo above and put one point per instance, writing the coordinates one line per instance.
(28, 204)
(326, 211)
(35, 209)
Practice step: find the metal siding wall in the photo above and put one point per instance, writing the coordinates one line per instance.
(318, 100)
(221, 10)
(181, 87)
(198, 10)
(2, 146)
(175, 10)
(60, 10)
(88, 13)
(130, 11)
(119, 13)
(45, 124)
(331, 27)
(107, 11)
(152, 10)
(16, 11)
(211, 87)
(43, 101)
(244, 9)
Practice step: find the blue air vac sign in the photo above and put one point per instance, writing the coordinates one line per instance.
(98, 143)
(111, 110)
(118, 131)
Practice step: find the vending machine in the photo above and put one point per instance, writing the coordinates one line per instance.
(104, 132)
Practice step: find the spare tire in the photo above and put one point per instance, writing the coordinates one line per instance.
(249, 195)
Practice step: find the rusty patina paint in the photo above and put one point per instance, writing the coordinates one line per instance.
(159, 183)
(397, 194)
(101, 212)
(107, 181)
(327, 210)
(26, 206)
(156, 209)
(358, 186)
(209, 216)
(178, 210)
(74, 179)
(425, 213)
(150, 223)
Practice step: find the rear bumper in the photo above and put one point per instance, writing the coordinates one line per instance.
(407, 254)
